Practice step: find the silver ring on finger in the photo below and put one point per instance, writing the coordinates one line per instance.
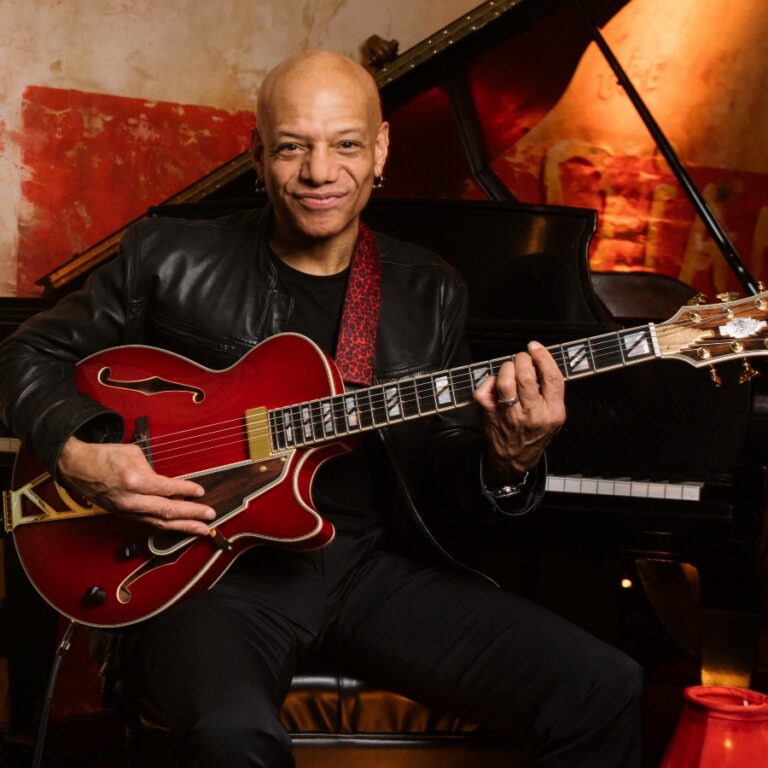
(509, 403)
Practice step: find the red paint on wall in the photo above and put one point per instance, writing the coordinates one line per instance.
(645, 220)
(93, 162)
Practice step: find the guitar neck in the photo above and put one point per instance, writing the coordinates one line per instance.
(318, 421)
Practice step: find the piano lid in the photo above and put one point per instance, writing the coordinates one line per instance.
(435, 96)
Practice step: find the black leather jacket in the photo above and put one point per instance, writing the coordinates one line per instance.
(209, 291)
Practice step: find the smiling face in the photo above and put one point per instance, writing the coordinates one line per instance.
(320, 141)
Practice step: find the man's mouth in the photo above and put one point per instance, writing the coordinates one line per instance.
(319, 201)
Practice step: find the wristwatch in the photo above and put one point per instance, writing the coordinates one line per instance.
(508, 489)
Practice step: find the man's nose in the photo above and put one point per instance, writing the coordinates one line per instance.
(320, 166)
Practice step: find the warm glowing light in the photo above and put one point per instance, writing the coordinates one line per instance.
(728, 744)
(626, 584)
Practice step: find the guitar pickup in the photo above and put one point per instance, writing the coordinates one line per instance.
(257, 431)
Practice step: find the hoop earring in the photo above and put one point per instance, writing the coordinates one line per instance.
(378, 181)
(258, 184)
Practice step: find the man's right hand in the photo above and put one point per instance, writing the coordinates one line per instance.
(119, 479)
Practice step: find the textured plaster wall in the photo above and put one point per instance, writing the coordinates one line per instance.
(72, 69)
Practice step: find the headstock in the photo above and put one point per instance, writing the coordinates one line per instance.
(704, 334)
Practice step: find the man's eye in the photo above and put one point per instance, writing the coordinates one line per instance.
(288, 147)
(349, 145)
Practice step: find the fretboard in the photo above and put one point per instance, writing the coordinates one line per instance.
(318, 421)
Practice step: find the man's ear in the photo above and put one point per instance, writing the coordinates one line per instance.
(381, 148)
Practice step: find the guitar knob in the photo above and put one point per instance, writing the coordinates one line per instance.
(95, 595)
(728, 296)
(715, 376)
(694, 301)
(129, 550)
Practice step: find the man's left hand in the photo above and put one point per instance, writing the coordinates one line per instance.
(523, 407)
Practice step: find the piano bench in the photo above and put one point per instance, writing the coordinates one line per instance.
(336, 719)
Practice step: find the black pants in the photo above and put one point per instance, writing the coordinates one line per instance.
(219, 664)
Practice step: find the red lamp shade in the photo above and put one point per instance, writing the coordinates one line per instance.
(720, 728)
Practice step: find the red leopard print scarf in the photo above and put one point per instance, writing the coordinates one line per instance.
(356, 345)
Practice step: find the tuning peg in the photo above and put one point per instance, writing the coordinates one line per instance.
(694, 301)
(760, 286)
(715, 376)
(728, 296)
(747, 372)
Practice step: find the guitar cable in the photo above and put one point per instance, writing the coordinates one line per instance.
(61, 650)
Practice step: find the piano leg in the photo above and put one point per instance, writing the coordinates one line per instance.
(711, 610)
(730, 623)
(674, 592)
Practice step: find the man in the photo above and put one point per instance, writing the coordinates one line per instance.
(218, 664)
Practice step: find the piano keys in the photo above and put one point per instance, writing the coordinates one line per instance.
(625, 487)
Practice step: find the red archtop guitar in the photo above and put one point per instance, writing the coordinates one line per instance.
(254, 435)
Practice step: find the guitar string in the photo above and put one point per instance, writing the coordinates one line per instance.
(595, 347)
(295, 436)
(313, 424)
(296, 433)
(416, 381)
(291, 442)
(379, 399)
(417, 384)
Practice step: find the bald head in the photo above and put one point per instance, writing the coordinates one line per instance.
(312, 71)
(319, 146)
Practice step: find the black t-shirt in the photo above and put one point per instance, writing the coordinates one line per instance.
(345, 488)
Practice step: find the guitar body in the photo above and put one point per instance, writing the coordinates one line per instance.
(102, 570)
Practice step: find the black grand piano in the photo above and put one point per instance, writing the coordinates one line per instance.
(658, 473)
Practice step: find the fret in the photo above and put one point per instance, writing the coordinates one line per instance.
(278, 436)
(451, 389)
(313, 427)
(408, 398)
(425, 394)
(352, 423)
(325, 416)
(576, 357)
(399, 398)
(364, 409)
(609, 354)
(462, 385)
(479, 373)
(307, 422)
(379, 409)
(591, 353)
(621, 349)
(443, 393)
(287, 427)
(637, 343)
(339, 415)
(392, 402)
(558, 353)
(298, 426)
